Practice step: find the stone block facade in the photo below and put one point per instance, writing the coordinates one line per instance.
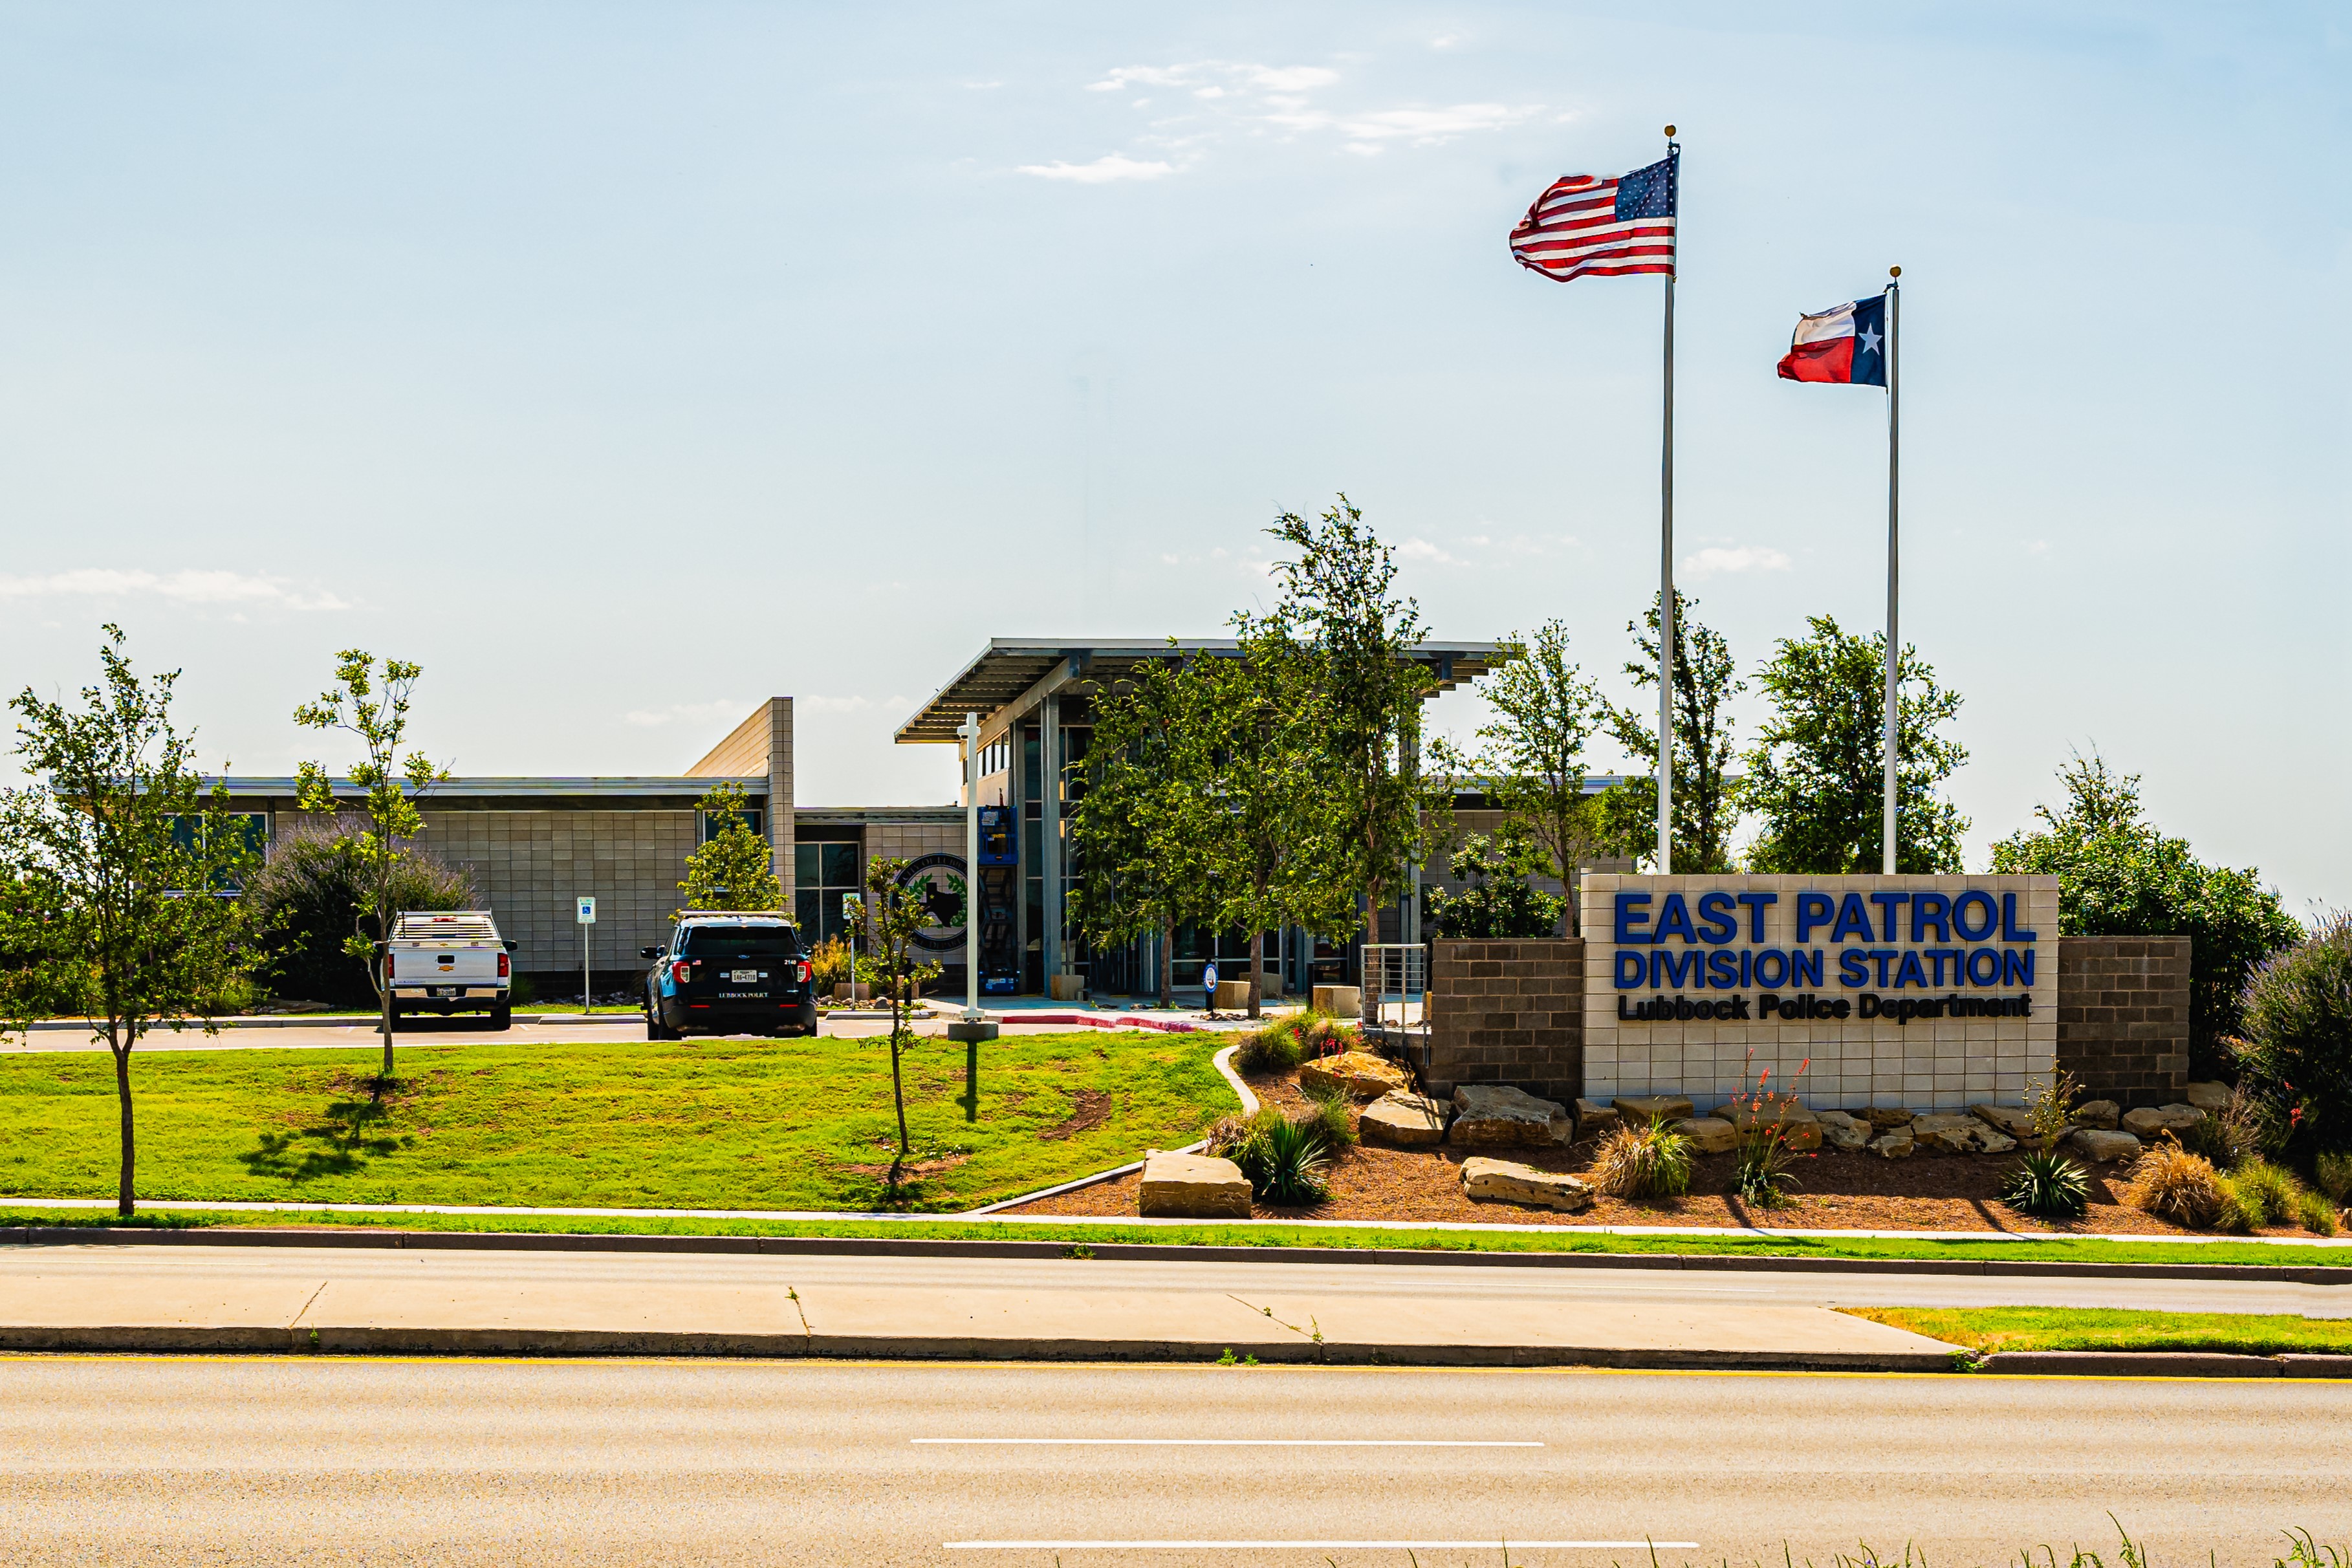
(2123, 1016)
(1507, 1011)
(528, 865)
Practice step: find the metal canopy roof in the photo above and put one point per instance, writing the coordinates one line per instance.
(1008, 666)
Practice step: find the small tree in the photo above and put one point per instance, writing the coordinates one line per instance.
(1531, 760)
(303, 903)
(895, 914)
(374, 708)
(2118, 875)
(1498, 900)
(1815, 776)
(1277, 854)
(1144, 826)
(120, 864)
(734, 869)
(1705, 804)
(1345, 633)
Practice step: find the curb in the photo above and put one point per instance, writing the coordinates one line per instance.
(919, 1247)
(360, 1340)
(2162, 1363)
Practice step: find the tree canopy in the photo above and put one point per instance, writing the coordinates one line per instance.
(1705, 805)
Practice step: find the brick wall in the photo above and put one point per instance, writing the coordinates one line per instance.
(1507, 1011)
(528, 864)
(2123, 1016)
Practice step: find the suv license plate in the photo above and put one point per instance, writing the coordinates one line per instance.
(742, 976)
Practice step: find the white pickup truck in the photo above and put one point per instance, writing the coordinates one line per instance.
(450, 961)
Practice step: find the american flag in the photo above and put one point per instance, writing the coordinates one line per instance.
(1585, 224)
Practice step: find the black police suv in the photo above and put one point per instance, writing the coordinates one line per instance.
(728, 974)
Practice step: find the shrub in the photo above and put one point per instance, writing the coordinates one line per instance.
(1647, 1162)
(307, 897)
(2233, 1135)
(2172, 1183)
(2052, 1106)
(2334, 1174)
(1283, 1159)
(2045, 1181)
(2295, 1056)
(830, 965)
(2315, 1213)
(1272, 1049)
(2260, 1193)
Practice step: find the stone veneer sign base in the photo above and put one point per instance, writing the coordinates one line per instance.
(1933, 993)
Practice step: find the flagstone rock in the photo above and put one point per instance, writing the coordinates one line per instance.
(1593, 1119)
(2098, 1114)
(1496, 1116)
(2015, 1120)
(2097, 1145)
(1843, 1130)
(2146, 1122)
(1886, 1116)
(1649, 1108)
(1192, 1186)
(1943, 1134)
(2210, 1096)
(1504, 1180)
(1356, 1073)
(1708, 1134)
(1895, 1144)
(1402, 1119)
(1990, 1142)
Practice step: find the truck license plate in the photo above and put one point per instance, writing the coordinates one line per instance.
(742, 976)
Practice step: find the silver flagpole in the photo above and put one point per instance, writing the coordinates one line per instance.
(1666, 563)
(1894, 491)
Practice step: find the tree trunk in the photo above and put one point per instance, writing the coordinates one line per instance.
(125, 1205)
(1168, 963)
(897, 1090)
(1257, 967)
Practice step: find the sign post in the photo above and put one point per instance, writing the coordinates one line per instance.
(974, 1025)
(586, 915)
(853, 915)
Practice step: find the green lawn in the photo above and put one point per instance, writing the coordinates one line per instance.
(770, 1124)
(1990, 1328)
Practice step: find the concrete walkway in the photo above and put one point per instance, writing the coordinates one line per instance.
(292, 1300)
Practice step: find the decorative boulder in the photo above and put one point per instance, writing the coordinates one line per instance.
(1991, 1142)
(1358, 1073)
(1708, 1134)
(1339, 1000)
(2210, 1096)
(1502, 1181)
(1496, 1116)
(1402, 1119)
(1894, 1144)
(1800, 1129)
(1886, 1116)
(2147, 1121)
(1192, 1186)
(1937, 1135)
(2097, 1146)
(1841, 1130)
(1593, 1119)
(1649, 1108)
(2010, 1118)
(2100, 1114)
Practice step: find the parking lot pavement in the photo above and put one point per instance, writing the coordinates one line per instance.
(449, 1032)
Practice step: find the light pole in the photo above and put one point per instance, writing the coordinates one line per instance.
(974, 1025)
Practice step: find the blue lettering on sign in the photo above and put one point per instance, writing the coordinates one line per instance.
(1778, 974)
(1723, 971)
(1757, 904)
(1631, 920)
(1984, 965)
(1671, 970)
(1910, 972)
(1674, 920)
(1632, 971)
(1930, 909)
(1715, 912)
(1975, 897)
(2016, 968)
(1887, 902)
(1813, 909)
(1854, 968)
(1853, 917)
(2009, 928)
(1805, 968)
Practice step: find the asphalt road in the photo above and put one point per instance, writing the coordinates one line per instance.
(940, 1275)
(134, 1459)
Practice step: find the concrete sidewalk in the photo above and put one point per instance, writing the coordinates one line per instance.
(52, 1306)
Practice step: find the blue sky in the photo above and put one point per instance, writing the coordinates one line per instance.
(626, 364)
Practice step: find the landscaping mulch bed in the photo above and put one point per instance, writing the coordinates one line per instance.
(1839, 1191)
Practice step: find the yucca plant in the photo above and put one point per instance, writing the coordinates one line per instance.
(2045, 1181)
(1285, 1160)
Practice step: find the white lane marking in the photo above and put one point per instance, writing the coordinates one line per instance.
(1309, 1545)
(1239, 1441)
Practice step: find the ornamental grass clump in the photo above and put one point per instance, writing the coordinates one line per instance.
(2170, 1183)
(1653, 1160)
(2233, 1135)
(2045, 1181)
(1282, 1045)
(2261, 1193)
(2333, 1173)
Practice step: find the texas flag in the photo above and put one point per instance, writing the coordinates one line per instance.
(1846, 344)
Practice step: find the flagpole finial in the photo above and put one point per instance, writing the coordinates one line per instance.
(1669, 130)
(1895, 273)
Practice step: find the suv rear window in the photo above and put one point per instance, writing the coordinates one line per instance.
(742, 941)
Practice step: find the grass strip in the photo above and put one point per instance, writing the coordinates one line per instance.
(1990, 1328)
(2064, 1249)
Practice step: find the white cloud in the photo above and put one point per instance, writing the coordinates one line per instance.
(1422, 550)
(2038, 547)
(981, 86)
(1109, 167)
(689, 712)
(1422, 127)
(1736, 558)
(1446, 41)
(187, 588)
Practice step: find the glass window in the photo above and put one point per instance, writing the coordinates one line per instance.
(821, 873)
(732, 941)
(714, 821)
